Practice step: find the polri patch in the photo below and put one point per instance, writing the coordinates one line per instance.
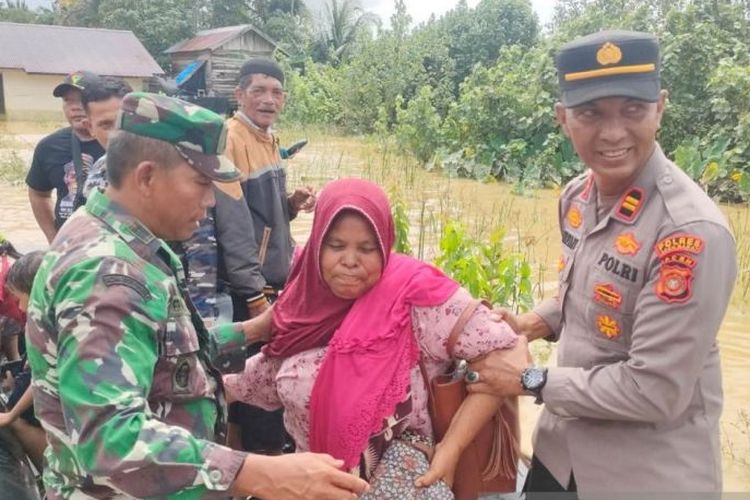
(617, 267)
(608, 326)
(627, 244)
(111, 280)
(606, 294)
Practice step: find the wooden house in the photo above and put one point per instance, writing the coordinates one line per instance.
(208, 63)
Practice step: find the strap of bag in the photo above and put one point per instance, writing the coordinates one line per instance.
(75, 147)
(460, 324)
(458, 328)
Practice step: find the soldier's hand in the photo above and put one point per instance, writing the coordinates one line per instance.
(529, 324)
(308, 476)
(500, 371)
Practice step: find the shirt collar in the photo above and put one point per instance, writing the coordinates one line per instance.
(127, 227)
(250, 123)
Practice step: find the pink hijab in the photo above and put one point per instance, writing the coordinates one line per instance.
(371, 345)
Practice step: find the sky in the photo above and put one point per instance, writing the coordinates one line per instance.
(419, 10)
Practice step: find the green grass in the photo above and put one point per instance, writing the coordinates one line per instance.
(12, 168)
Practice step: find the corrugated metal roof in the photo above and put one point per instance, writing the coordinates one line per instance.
(38, 48)
(212, 39)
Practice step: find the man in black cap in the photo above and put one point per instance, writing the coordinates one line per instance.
(254, 149)
(647, 269)
(62, 159)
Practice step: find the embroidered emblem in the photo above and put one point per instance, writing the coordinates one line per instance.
(679, 243)
(615, 266)
(679, 259)
(608, 326)
(181, 377)
(675, 284)
(609, 53)
(626, 244)
(110, 280)
(630, 205)
(575, 218)
(607, 294)
(561, 264)
(569, 240)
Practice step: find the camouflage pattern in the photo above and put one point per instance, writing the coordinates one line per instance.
(202, 260)
(123, 376)
(97, 177)
(198, 134)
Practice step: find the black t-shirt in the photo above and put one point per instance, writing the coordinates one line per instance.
(53, 168)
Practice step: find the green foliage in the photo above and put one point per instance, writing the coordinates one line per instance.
(486, 269)
(401, 224)
(417, 126)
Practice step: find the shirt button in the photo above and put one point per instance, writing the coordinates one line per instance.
(215, 475)
(667, 179)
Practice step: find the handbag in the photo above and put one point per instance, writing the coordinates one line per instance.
(489, 462)
(393, 478)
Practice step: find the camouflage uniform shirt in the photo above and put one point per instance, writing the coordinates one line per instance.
(123, 380)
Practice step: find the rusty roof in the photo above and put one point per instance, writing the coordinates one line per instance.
(212, 39)
(39, 48)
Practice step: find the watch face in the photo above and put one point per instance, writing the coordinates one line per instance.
(533, 378)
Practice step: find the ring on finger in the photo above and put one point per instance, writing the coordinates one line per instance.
(471, 377)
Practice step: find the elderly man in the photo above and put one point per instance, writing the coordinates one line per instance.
(62, 159)
(252, 146)
(648, 267)
(123, 378)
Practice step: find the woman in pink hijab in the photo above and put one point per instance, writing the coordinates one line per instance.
(347, 335)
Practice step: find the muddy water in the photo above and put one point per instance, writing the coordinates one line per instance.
(531, 227)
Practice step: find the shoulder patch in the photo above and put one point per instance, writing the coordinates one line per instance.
(127, 281)
(679, 243)
(675, 283)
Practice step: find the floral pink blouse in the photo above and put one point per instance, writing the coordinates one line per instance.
(273, 383)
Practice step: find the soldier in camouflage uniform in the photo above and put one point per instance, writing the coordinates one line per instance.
(123, 367)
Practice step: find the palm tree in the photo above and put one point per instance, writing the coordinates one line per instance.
(344, 21)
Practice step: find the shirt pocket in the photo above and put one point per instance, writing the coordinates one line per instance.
(609, 311)
(180, 374)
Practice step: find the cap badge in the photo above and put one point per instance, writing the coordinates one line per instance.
(609, 53)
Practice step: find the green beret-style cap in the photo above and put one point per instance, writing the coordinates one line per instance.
(198, 134)
(609, 64)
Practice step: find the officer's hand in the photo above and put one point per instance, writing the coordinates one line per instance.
(529, 324)
(500, 371)
(301, 476)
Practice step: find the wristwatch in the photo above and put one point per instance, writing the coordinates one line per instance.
(533, 380)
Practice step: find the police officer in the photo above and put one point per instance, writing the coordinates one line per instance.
(647, 269)
(123, 378)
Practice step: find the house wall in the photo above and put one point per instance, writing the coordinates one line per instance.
(28, 97)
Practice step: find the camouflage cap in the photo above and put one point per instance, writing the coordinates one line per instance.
(198, 134)
(77, 80)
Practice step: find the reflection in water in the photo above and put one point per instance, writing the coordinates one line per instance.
(532, 228)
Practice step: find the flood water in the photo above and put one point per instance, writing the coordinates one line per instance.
(531, 224)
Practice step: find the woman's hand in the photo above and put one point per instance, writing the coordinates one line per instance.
(442, 466)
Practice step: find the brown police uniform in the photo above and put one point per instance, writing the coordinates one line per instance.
(645, 279)
(634, 403)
